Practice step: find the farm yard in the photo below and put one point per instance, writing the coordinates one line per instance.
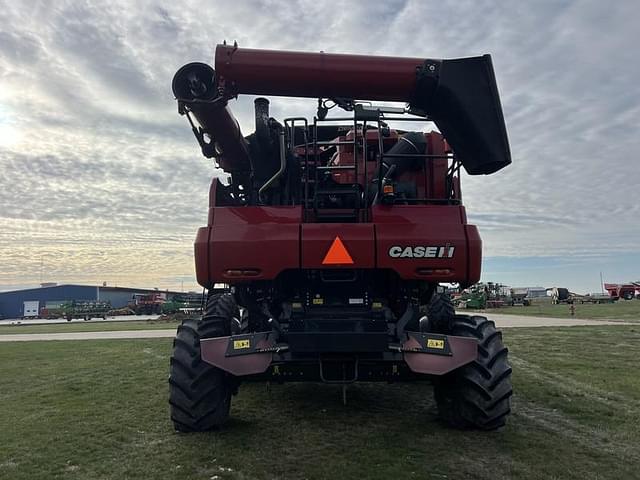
(310, 240)
(98, 409)
(628, 310)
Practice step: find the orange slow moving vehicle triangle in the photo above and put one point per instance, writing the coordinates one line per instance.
(337, 254)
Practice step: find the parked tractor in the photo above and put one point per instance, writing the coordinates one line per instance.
(484, 295)
(333, 234)
(474, 298)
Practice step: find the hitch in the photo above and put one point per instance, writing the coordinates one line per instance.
(344, 380)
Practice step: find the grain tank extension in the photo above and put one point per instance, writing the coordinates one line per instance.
(333, 233)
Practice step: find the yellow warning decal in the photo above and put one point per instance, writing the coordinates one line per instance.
(240, 344)
(435, 343)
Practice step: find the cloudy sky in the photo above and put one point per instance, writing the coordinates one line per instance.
(101, 180)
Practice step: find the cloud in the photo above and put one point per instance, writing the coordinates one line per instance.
(105, 179)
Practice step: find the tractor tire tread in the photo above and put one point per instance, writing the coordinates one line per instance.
(440, 312)
(200, 393)
(477, 395)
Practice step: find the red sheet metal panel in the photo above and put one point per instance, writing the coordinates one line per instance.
(253, 243)
(463, 351)
(213, 351)
(318, 239)
(201, 253)
(422, 242)
(474, 254)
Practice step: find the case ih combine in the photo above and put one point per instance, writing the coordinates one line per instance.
(333, 234)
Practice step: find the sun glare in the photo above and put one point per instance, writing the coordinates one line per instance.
(9, 135)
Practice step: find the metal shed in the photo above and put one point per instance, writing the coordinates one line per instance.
(12, 303)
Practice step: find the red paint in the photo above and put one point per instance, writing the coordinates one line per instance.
(357, 238)
(304, 74)
(201, 253)
(213, 351)
(424, 225)
(261, 241)
(621, 290)
(474, 255)
(274, 239)
(463, 351)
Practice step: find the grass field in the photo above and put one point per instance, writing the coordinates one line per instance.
(89, 327)
(98, 410)
(621, 310)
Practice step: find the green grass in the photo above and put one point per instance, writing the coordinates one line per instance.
(89, 327)
(98, 410)
(621, 310)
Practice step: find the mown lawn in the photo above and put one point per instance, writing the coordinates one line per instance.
(98, 410)
(621, 310)
(89, 327)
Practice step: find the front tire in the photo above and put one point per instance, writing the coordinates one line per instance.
(440, 313)
(199, 393)
(477, 395)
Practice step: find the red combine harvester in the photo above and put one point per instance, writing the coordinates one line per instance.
(333, 234)
(149, 303)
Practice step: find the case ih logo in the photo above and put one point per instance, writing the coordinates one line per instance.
(445, 251)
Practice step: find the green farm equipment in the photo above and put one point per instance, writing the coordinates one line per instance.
(85, 310)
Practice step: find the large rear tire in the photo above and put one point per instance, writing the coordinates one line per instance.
(199, 393)
(477, 395)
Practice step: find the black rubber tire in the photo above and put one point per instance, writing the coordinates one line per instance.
(199, 393)
(440, 313)
(477, 395)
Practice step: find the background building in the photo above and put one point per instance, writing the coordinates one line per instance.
(12, 303)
